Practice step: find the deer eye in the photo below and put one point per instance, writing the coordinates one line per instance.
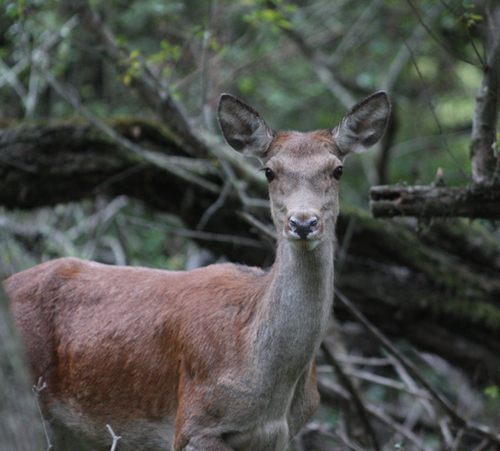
(337, 172)
(269, 174)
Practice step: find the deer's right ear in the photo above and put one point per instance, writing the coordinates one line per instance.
(243, 128)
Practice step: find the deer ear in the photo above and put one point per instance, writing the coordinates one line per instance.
(243, 128)
(363, 125)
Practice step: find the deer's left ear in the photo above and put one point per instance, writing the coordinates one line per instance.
(244, 128)
(363, 125)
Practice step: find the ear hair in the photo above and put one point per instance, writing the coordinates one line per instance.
(364, 124)
(243, 128)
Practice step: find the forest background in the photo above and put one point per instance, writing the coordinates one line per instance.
(110, 151)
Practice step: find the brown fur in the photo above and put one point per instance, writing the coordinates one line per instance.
(118, 337)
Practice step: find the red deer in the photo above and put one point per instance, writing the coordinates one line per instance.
(219, 358)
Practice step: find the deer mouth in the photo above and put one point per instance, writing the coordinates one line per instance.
(304, 244)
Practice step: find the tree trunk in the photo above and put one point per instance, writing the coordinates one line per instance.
(20, 424)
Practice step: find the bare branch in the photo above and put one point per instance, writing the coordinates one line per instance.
(435, 201)
(403, 55)
(436, 119)
(152, 157)
(441, 44)
(323, 69)
(11, 77)
(115, 437)
(364, 375)
(405, 432)
(355, 395)
(327, 389)
(484, 122)
(48, 44)
(153, 90)
(356, 30)
(36, 393)
(268, 232)
(207, 236)
(210, 211)
(457, 419)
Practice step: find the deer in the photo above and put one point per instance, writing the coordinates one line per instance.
(218, 358)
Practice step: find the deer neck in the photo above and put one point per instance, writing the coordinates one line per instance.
(296, 308)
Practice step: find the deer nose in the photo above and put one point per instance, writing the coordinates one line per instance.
(303, 223)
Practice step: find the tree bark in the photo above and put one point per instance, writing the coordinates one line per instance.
(484, 122)
(473, 201)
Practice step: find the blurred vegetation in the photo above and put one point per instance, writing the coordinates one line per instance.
(272, 54)
(205, 48)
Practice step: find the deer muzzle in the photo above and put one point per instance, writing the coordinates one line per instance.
(303, 225)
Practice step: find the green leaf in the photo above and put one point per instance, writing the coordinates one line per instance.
(492, 392)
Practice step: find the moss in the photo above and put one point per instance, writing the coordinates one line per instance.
(458, 260)
(135, 129)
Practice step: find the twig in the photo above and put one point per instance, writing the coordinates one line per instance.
(205, 75)
(104, 215)
(385, 381)
(232, 162)
(410, 382)
(436, 119)
(100, 222)
(254, 222)
(437, 40)
(346, 242)
(117, 249)
(323, 70)
(115, 437)
(367, 361)
(476, 51)
(456, 443)
(210, 211)
(13, 80)
(336, 434)
(377, 412)
(344, 439)
(47, 45)
(479, 429)
(403, 55)
(34, 88)
(152, 157)
(356, 397)
(356, 30)
(36, 392)
(154, 90)
(238, 240)
(485, 444)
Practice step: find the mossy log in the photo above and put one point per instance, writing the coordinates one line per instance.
(438, 289)
(473, 201)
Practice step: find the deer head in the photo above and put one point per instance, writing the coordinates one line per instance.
(304, 169)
